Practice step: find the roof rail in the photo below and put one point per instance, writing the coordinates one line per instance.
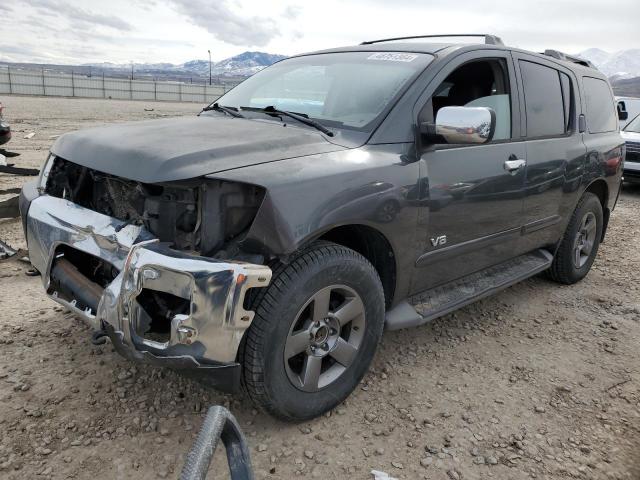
(488, 39)
(569, 58)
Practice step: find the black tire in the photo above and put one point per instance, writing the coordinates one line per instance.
(269, 379)
(565, 267)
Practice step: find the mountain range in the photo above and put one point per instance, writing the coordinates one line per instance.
(242, 65)
(616, 65)
(622, 64)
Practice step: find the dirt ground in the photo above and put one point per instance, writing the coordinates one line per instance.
(541, 381)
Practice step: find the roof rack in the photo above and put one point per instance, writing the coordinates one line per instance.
(569, 58)
(488, 39)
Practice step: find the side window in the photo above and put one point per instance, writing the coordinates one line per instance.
(600, 106)
(544, 103)
(480, 83)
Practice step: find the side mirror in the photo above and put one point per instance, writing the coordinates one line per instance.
(461, 125)
(622, 111)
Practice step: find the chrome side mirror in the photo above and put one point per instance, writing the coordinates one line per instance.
(462, 125)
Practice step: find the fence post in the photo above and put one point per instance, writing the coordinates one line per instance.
(104, 90)
(155, 89)
(9, 74)
(131, 86)
(73, 85)
(204, 93)
(44, 90)
(180, 91)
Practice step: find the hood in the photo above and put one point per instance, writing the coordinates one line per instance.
(187, 147)
(630, 136)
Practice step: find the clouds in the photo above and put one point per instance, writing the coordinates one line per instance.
(81, 16)
(223, 23)
(120, 31)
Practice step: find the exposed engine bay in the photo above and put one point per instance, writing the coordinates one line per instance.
(201, 216)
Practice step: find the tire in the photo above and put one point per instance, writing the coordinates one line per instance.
(290, 332)
(585, 228)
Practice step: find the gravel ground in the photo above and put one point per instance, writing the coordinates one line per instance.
(540, 381)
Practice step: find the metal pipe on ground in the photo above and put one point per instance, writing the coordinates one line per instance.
(219, 424)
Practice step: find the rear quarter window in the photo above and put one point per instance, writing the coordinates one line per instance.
(601, 112)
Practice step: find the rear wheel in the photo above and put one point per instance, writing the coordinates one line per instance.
(314, 334)
(580, 243)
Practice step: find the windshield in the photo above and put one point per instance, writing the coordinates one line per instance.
(346, 89)
(633, 126)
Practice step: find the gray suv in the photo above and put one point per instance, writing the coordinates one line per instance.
(269, 241)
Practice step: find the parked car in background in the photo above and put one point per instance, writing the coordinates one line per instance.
(631, 136)
(332, 195)
(5, 130)
(631, 106)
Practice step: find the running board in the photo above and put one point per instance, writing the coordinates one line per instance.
(439, 301)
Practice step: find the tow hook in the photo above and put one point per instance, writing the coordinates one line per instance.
(99, 337)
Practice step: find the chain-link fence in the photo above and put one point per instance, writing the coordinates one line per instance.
(41, 82)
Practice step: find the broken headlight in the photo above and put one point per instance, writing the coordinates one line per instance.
(44, 173)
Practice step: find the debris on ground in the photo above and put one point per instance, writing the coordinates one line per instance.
(9, 253)
(10, 208)
(30, 135)
(19, 170)
(378, 475)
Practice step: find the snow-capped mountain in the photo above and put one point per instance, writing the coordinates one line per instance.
(244, 64)
(622, 64)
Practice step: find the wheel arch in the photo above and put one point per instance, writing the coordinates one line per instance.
(600, 189)
(371, 244)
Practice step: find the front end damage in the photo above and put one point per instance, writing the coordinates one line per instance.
(160, 300)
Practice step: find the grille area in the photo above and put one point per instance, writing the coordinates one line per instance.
(633, 152)
(169, 211)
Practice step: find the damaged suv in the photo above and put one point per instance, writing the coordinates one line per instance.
(268, 241)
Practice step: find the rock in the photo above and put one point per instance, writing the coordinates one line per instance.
(262, 447)
(453, 475)
(397, 465)
(308, 454)
(540, 409)
(427, 461)
(492, 460)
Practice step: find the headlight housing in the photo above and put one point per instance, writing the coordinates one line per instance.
(44, 173)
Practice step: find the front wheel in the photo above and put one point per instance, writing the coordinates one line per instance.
(314, 334)
(579, 245)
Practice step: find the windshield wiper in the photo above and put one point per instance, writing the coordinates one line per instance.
(300, 117)
(221, 108)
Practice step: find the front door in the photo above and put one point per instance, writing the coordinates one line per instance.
(475, 203)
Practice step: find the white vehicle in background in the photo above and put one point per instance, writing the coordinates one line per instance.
(630, 105)
(631, 136)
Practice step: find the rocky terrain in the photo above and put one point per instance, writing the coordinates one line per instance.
(541, 381)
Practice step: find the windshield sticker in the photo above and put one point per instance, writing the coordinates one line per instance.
(393, 57)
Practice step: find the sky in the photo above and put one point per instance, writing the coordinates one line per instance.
(176, 31)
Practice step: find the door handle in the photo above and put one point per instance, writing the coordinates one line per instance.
(512, 166)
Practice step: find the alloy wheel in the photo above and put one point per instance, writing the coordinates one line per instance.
(324, 338)
(585, 240)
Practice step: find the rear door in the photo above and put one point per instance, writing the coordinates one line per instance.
(555, 152)
(474, 203)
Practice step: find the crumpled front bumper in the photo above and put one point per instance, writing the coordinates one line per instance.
(206, 338)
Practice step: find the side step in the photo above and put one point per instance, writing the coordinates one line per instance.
(439, 301)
